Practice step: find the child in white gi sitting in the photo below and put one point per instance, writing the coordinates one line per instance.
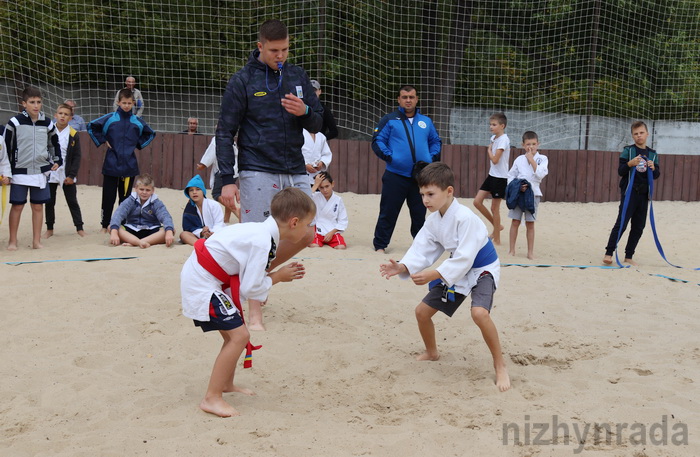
(317, 154)
(472, 268)
(331, 216)
(201, 216)
(232, 266)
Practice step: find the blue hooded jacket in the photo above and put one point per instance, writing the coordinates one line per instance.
(190, 217)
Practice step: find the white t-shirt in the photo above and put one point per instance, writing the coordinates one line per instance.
(58, 176)
(500, 169)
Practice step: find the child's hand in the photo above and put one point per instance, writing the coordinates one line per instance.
(523, 188)
(54, 167)
(289, 272)
(4, 180)
(425, 276)
(169, 237)
(329, 236)
(68, 181)
(650, 165)
(392, 268)
(201, 166)
(310, 168)
(205, 233)
(114, 237)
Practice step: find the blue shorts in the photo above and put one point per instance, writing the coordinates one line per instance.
(219, 319)
(18, 194)
(482, 296)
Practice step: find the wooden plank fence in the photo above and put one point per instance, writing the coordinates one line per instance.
(574, 176)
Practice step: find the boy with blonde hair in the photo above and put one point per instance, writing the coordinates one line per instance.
(495, 183)
(33, 150)
(472, 267)
(231, 266)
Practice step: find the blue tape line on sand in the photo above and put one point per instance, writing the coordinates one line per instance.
(70, 260)
(540, 265)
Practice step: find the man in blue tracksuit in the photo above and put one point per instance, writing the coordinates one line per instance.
(401, 139)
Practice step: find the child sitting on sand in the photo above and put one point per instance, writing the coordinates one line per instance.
(201, 216)
(472, 267)
(238, 256)
(145, 218)
(331, 216)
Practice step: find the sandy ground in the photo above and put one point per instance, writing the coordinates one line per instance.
(98, 360)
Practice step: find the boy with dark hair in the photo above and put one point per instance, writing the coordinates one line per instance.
(496, 182)
(234, 265)
(145, 218)
(645, 159)
(33, 150)
(123, 132)
(472, 267)
(66, 174)
(331, 216)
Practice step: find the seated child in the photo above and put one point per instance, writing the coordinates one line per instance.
(317, 154)
(472, 267)
(202, 216)
(331, 216)
(239, 256)
(145, 218)
(532, 167)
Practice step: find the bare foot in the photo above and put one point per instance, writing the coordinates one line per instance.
(235, 388)
(47, 234)
(511, 253)
(531, 256)
(631, 262)
(37, 245)
(340, 246)
(256, 326)
(502, 378)
(144, 245)
(11, 246)
(607, 260)
(104, 230)
(81, 232)
(312, 245)
(379, 251)
(426, 356)
(127, 244)
(219, 407)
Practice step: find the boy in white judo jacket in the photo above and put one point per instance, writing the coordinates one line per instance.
(232, 266)
(331, 215)
(317, 154)
(472, 268)
(201, 216)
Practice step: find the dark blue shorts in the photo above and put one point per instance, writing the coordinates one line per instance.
(18, 194)
(141, 234)
(219, 319)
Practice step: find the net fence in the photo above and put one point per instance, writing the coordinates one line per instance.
(570, 70)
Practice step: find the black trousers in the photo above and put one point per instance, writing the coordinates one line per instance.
(637, 214)
(397, 189)
(70, 191)
(113, 186)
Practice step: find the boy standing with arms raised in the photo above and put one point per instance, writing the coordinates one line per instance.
(472, 268)
(645, 160)
(232, 266)
(33, 150)
(496, 182)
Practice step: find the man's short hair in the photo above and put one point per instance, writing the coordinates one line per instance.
(272, 30)
(436, 174)
(125, 93)
(65, 106)
(406, 88)
(637, 124)
(499, 117)
(30, 92)
(530, 135)
(144, 179)
(291, 202)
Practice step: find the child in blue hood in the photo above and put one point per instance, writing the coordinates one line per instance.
(202, 216)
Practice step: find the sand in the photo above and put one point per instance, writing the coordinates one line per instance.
(98, 360)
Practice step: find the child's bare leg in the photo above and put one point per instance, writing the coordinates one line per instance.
(255, 316)
(15, 216)
(286, 249)
(482, 319)
(222, 374)
(514, 227)
(479, 204)
(150, 240)
(188, 238)
(530, 233)
(227, 215)
(424, 316)
(127, 238)
(496, 215)
(37, 222)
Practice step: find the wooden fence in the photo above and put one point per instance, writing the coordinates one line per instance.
(574, 176)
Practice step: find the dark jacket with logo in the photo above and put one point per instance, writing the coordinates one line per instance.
(269, 138)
